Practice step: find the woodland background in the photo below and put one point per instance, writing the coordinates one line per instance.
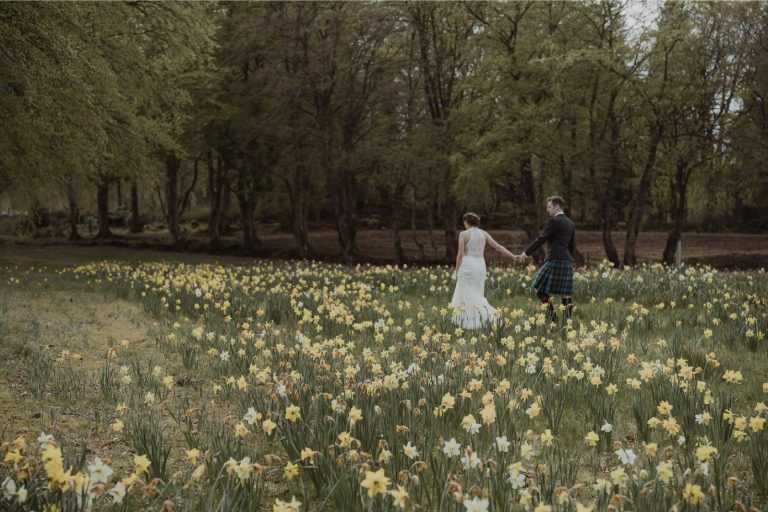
(218, 120)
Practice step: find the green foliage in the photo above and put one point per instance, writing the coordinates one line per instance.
(331, 108)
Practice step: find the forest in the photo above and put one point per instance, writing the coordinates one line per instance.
(398, 115)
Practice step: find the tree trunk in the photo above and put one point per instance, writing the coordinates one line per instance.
(102, 206)
(136, 225)
(532, 225)
(184, 202)
(299, 228)
(396, 212)
(676, 234)
(119, 190)
(606, 199)
(298, 187)
(567, 176)
(247, 220)
(397, 240)
(215, 197)
(641, 197)
(246, 198)
(74, 212)
(172, 164)
(226, 200)
(451, 235)
(670, 250)
(528, 188)
(431, 227)
(607, 225)
(344, 204)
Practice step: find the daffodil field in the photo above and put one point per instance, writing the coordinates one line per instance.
(309, 387)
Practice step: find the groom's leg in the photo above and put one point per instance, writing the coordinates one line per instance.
(568, 303)
(545, 299)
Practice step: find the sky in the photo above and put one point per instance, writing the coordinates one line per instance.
(641, 14)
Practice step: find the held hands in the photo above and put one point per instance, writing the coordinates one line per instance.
(520, 259)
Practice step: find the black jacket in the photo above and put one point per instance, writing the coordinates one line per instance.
(559, 233)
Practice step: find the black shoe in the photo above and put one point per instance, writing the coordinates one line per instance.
(551, 315)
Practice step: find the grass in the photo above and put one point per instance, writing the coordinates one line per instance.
(43, 316)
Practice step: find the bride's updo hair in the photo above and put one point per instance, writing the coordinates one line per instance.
(472, 219)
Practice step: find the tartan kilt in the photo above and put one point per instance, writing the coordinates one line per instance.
(555, 277)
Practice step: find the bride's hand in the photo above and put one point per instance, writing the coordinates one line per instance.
(453, 276)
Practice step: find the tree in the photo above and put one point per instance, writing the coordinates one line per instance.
(177, 42)
(746, 184)
(711, 70)
(655, 90)
(605, 72)
(62, 100)
(443, 32)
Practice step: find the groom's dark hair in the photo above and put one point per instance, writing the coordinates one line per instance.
(557, 201)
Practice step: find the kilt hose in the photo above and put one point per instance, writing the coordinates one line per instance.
(555, 277)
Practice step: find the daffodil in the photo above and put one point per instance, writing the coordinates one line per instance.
(375, 482)
(692, 494)
(410, 451)
(141, 463)
(307, 454)
(99, 472)
(399, 496)
(291, 470)
(292, 413)
(269, 426)
(664, 471)
(282, 506)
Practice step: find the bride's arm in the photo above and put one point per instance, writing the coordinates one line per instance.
(496, 245)
(460, 250)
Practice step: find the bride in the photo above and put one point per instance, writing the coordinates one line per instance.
(470, 307)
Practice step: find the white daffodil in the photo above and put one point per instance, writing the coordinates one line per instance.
(516, 479)
(410, 451)
(9, 488)
(117, 492)
(451, 448)
(43, 439)
(99, 472)
(470, 460)
(476, 505)
(250, 416)
(627, 457)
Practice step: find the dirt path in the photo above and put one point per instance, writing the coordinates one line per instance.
(717, 249)
(45, 318)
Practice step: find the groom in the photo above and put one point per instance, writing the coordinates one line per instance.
(555, 277)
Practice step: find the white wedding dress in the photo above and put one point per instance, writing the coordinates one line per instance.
(470, 307)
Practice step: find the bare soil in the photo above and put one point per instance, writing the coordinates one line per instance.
(721, 250)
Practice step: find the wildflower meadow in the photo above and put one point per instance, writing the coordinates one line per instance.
(318, 387)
